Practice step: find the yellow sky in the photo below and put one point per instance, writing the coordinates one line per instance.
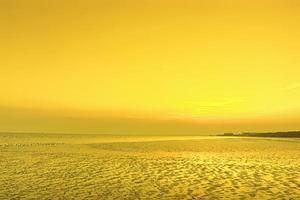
(201, 63)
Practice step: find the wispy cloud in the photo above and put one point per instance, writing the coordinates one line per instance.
(213, 105)
(291, 87)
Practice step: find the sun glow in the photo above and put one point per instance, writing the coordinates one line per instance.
(199, 60)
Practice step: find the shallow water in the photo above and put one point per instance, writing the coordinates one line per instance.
(58, 166)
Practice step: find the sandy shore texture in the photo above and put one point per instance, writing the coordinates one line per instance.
(62, 166)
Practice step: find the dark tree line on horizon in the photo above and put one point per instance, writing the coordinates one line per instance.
(288, 134)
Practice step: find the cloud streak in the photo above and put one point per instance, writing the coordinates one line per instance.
(291, 87)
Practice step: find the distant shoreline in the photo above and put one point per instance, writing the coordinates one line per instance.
(288, 134)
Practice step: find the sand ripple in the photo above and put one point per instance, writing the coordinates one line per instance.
(188, 169)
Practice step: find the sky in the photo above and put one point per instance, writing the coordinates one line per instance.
(149, 66)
